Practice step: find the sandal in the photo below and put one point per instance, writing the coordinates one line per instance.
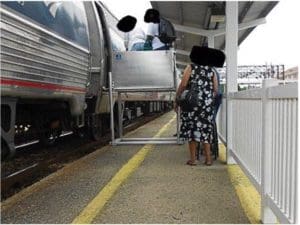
(208, 163)
(191, 163)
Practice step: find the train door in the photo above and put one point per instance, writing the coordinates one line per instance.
(99, 67)
(97, 50)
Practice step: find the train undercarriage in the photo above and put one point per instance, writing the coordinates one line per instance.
(28, 121)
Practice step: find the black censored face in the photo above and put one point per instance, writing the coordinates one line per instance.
(151, 16)
(207, 56)
(127, 23)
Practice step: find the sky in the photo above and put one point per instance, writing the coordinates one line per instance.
(275, 42)
(136, 8)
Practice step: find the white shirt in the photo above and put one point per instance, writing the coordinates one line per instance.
(153, 31)
(136, 36)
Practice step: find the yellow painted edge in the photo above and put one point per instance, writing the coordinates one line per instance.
(97, 204)
(247, 193)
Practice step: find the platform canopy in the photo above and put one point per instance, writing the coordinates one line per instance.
(203, 23)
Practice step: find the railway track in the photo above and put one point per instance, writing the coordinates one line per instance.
(27, 169)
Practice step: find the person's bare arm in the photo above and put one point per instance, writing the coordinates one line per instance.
(184, 81)
(215, 84)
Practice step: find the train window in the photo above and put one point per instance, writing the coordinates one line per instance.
(116, 41)
(67, 19)
(37, 11)
(70, 21)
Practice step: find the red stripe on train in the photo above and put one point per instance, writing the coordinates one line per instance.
(40, 85)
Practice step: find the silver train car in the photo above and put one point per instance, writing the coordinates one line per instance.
(55, 58)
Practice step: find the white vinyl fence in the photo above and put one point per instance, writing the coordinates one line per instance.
(265, 144)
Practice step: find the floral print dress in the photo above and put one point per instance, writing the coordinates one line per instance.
(197, 124)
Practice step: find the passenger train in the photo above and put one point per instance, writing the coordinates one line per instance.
(55, 59)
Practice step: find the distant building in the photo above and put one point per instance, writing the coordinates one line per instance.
(291, 74)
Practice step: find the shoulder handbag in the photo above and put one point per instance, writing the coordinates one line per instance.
(188, 98)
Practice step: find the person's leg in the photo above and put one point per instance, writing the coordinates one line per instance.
(137, 47)
(162, 48)
(192, 148)
(208, 160)
(140, 46)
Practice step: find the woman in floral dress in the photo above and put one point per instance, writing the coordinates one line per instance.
(197, 123)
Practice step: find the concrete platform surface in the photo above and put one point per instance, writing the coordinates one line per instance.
(161, 190)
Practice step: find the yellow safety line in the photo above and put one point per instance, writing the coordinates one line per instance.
(248, 195)
(97, 204)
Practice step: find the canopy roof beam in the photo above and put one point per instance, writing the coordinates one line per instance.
(241, 26)
(218, 32)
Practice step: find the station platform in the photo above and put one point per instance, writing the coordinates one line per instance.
(131, 184)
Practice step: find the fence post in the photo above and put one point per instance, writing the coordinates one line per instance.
(267, 216)
(229, 129)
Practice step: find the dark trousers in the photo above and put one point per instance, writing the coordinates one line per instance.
(163, 48)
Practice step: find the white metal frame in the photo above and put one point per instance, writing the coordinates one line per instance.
(133, 141)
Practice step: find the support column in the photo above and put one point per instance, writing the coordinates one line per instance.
(231, 47)
(211, 41)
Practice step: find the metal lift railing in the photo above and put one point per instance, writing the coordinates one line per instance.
(141, 71)
(265, 145)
